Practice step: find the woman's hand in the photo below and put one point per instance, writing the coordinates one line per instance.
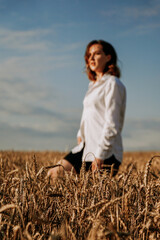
(97, 164)
(79, 140)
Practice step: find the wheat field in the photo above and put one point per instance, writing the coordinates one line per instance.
(89, 206)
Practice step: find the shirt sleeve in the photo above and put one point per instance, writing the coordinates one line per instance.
(114, 96)
(80, 132)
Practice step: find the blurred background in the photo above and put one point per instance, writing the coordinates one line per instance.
(42, 78)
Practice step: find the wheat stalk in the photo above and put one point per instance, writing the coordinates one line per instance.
(11, 206)
(146, 173)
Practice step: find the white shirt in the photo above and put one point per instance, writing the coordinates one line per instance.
(102, 119)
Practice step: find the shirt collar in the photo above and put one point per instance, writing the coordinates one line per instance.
(103, 79)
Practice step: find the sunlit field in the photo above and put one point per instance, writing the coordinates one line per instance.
(86, 206)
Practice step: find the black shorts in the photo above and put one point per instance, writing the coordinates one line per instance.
(76, 160)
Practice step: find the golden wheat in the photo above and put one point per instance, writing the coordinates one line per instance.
(88, 206)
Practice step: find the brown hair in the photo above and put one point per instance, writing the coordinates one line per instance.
(111, 66)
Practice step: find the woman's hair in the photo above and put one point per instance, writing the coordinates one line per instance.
(111, 66)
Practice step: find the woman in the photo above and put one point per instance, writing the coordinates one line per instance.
(103, 114)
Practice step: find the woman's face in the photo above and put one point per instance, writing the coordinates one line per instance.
(97, 59)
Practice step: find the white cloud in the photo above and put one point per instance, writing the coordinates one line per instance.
(52, 134)
(30, 139)
(31, 54)
(31, 40)
(71, 46)
(34, 66)
(135, 12)
(141, 134)
(138, 19)
(145, 28)
(30, 109)
(30, 105)
(26, 98)
(141, 29)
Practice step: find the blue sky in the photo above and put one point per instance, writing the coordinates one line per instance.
(42, 79)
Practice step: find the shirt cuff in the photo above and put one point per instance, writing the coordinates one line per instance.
(79, 133)
(78, 148)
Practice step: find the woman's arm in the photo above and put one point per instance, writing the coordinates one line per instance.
(97, 164)
(115, 97)
(79, 140)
